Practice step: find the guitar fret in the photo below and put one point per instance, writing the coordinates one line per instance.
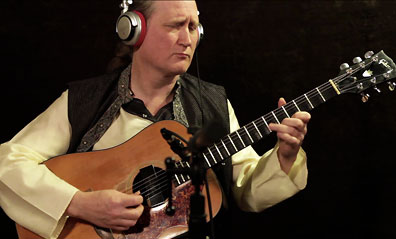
(207, 161)
(225, 147)
(181, 162)
(309, 101)
(219, 152)
(250, 137)
(236, 150)
(288, 116)
(262, 117)
(320, 94)
(296, 105)
(243, 143)
(257, 129)
(182, 178)
(275, 117)
(210, 151)
(181, 175)
(177, 178)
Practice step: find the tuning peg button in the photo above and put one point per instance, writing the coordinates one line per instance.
(344, 66)
(391, 86)
(368, 54)
(365, 97)
(357, 60)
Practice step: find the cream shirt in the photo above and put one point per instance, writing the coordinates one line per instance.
(33, 196)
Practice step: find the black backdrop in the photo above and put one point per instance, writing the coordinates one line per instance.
(259, 50)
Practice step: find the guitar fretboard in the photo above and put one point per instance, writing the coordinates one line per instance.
(258, 129)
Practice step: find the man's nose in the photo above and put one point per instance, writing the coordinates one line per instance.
(185, 37)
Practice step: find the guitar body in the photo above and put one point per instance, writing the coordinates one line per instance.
(117, 168)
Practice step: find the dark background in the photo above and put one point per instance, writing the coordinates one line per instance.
(260, 51)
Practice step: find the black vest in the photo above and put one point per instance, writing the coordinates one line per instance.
(202, 102)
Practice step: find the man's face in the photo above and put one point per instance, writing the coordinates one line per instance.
(171, 38)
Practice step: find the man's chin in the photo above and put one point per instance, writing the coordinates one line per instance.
(180, 70)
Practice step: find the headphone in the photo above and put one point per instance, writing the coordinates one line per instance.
(131, 26)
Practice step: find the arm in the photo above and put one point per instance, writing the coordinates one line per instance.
(260, 182)
(39, 200)
(31, 194)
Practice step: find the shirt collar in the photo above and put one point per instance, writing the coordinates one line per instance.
(125, 90)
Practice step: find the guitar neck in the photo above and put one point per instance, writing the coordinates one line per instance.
(258, 129)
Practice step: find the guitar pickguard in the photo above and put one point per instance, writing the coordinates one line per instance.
(155, 223)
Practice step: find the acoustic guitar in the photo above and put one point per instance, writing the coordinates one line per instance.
(138, 164)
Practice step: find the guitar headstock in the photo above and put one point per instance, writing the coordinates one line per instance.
(365, 74)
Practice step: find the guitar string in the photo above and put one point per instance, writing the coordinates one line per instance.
(300, 99)
(151, 179)
(287, 107)
(324, 87)
(154, 183)
(243, 133)
(157, 191)
(156, 188)
(153, 193)
(139, 185)
(310, 94)
(146, 180)
(252, 125)
(161, 185)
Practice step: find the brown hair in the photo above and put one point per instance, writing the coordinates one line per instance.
(122, 52)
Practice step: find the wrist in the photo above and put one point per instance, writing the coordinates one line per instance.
(74, 206)
(286, 162)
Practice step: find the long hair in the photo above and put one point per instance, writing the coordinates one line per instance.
(123, 53)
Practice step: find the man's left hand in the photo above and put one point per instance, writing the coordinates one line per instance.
(291, 133)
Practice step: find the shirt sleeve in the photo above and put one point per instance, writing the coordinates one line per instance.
(259, 182)
(31, 194)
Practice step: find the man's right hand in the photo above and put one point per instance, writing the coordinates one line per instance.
(107, 208)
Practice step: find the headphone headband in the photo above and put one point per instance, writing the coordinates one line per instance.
(131, 26)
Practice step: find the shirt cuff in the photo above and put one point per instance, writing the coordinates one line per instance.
(263, 183)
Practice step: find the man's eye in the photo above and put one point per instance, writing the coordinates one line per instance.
(193, 27)
(175, 26)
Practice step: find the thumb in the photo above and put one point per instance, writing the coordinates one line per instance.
(132, 200)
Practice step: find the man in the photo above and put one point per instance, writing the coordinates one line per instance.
(157, 89)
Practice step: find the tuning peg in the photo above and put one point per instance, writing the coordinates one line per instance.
(386, 75)
(368, 54)
(376, 88)
(357, 60)
(344, 66)
(365, 97)
(391, 85)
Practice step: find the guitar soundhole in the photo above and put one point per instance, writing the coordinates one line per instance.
(152, 183)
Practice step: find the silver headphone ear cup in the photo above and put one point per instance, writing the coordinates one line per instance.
(200, 33)
(129, 28)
